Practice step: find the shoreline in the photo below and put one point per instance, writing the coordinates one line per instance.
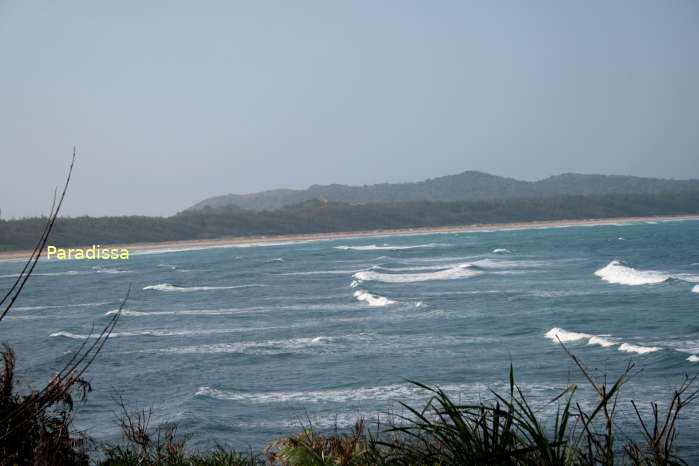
(243, 240)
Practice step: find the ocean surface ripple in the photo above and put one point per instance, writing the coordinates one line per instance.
(238, 344)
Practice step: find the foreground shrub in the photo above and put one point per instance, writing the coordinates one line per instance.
(35, 428)
(313, 449)
(145, 445)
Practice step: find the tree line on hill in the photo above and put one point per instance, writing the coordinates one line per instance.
(466, 186)
(326, 217)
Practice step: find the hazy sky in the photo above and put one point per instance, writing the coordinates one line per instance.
(172, 102)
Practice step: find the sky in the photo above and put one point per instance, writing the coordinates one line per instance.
(172, 102)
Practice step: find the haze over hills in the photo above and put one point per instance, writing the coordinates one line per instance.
(466, 186)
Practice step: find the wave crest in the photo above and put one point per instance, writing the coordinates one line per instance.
(566, 336)
(614, 272)
(169, 287)
(629, 348)
(382, 393)
(372, 299)
(452, 273)
(385, 247)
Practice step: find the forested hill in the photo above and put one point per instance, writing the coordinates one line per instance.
(466, 186)
(325, 217)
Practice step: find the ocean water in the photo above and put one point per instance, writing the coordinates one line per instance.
(244, 344)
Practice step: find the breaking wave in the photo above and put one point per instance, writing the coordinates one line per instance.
(693, 358)
(269, 347)
(109, 270)
(566, 336)
(41, 308)
(614, 272)
(372, 299)
(695, 289)
(374, 247)
(629, 348)
(184, 312)
(379, 393)
(45, 274)
(155, 333)
(323, 272)
(169, 287)
(500, 250)
(459, 271)
(601, 341)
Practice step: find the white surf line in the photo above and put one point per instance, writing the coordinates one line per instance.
(169, 287)
(616, 273)
(372, 299)
(565, 336)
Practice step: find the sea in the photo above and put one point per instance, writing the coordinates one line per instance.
(243, 344)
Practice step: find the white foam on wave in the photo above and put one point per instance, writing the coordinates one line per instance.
(629, 348)
(169, 287)
(556, 334)
(46, 274)
(695, 289)
(503, 264)
(109, 270)
(372, 299)
(323, 272)
(385, 247)
(40, 308)
(557, 293)
(452, 273)
(601, 341)
(358, 344)
(564, 336)
(246, 310)
(184, 312)
(500, 250)
(29, 317)
(344, 395)
(268, 347)
(614, 272)
(693, 358)
(482, 263)
(156, 333)
(418, 268)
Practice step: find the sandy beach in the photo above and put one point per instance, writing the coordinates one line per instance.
(242, 240)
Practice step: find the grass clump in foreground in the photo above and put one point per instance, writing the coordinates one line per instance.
(507, 431)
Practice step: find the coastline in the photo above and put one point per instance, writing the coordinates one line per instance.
(244, 240)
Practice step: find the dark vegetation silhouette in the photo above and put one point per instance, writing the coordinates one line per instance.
(328, 217)
(465, 186)
(35, 426)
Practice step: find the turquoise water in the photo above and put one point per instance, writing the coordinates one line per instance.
(244, 344)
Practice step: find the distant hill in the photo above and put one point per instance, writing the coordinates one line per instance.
(466, 186)
(317, 216)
